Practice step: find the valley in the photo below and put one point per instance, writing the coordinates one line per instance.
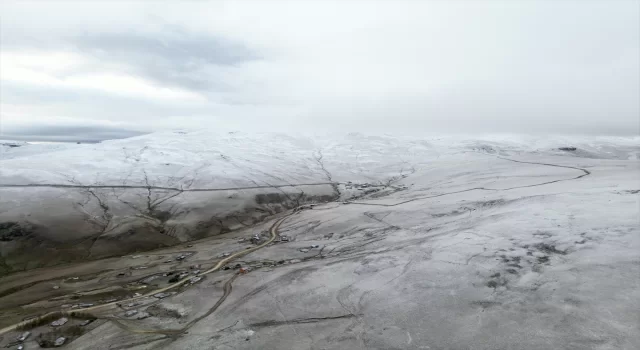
(201, 241)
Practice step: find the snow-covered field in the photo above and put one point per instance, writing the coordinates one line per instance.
(234, 159)
(501, 242)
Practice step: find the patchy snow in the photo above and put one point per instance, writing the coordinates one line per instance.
(497, 242)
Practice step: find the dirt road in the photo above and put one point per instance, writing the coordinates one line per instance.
(273, 231)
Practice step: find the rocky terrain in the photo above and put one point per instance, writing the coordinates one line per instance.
(207, 240)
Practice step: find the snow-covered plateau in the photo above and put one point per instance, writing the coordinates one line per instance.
(496, 242)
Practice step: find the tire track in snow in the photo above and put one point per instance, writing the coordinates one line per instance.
(585, 173)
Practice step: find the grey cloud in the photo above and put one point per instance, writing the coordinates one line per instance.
(485, 66)
(91, 104)
(173, 55)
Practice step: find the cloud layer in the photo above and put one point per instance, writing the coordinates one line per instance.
(114, 69)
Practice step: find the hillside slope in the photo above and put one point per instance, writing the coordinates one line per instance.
(434, 243)
(64, 202)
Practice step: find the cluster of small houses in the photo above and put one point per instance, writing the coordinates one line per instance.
(306, 250)
(365, 187)
(256, 239)
(55, 324)
(350, 185)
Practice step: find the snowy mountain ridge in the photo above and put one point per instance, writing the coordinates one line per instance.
(164, 188)
(228, 159)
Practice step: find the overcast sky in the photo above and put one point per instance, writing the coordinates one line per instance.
(86, 70)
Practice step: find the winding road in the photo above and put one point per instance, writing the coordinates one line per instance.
(585, 172)
(273, 234)
(273, 231)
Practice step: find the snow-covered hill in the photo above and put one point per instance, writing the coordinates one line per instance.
(236, 159)
(18, 149)
(497, 242)
(61, 202)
